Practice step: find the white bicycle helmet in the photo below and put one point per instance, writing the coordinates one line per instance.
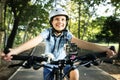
(58, 11)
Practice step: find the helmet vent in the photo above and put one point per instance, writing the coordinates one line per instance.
(58, 11)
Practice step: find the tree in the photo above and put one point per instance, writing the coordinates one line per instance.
(85, 12)
(26, 13)
(110, 31)
(113, 24)
(2, 4)
(17, 7)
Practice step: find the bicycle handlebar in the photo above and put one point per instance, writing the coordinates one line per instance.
(84, 58)
(33, 58)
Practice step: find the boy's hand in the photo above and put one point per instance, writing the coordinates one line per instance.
(7, 56)
(110, 53)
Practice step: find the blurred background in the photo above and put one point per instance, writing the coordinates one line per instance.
(95, 21)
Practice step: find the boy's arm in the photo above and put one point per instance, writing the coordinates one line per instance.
(92, 46)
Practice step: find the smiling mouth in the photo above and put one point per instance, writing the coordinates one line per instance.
(59, 25)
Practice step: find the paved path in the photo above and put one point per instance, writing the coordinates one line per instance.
(92, 73)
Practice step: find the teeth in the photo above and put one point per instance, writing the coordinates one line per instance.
(59, 25)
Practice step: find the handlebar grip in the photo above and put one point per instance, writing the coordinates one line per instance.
(6, 50)
(103, 54)
(112, 48)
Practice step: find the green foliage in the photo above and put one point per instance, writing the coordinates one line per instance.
(113, 26)
(88, 27)
(27, 16)
(110, 30)
(34, 17)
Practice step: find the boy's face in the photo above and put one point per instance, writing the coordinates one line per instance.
(59, 23)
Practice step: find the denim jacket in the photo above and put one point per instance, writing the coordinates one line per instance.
(55, 44)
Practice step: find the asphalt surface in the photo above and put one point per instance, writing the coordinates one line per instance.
(92, 73)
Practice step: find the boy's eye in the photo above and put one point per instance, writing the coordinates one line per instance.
(59, 19)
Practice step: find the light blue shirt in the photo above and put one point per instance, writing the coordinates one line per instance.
(55, 44)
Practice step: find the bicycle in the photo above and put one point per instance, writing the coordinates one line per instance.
(37, 62)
